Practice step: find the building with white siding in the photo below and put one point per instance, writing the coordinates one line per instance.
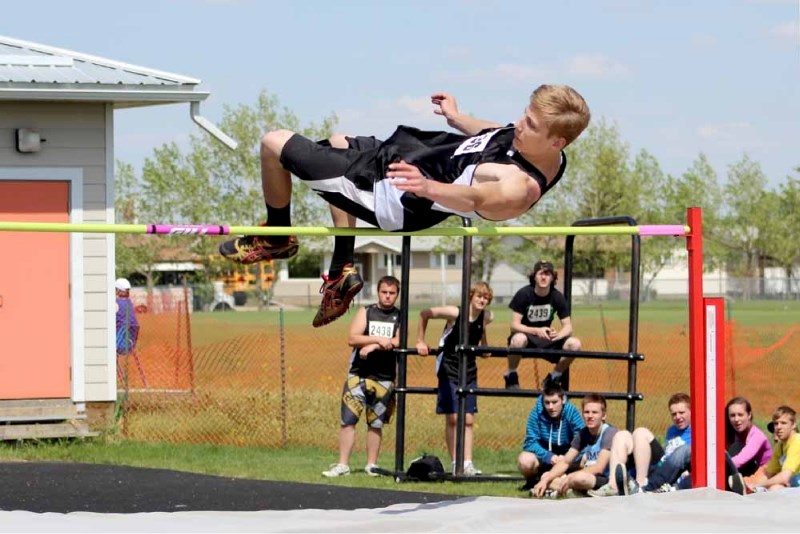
(57, 334)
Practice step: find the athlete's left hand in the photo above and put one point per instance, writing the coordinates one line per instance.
(407, 177)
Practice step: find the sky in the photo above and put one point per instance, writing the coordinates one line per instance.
(677, 77)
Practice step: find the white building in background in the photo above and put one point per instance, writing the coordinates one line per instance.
(57, 110)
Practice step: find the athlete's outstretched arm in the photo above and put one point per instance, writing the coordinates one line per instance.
(448, 108)
(509, 193)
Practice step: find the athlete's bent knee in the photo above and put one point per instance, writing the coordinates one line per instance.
(272, 142)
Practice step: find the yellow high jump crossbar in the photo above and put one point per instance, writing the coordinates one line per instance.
(224, 229)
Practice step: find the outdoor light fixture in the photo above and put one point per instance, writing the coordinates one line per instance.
(28, 140)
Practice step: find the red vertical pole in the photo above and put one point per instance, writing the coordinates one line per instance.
(697, 371)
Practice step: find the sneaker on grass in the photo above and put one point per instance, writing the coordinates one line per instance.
(371, 470)
(336, 470)
(470, 470)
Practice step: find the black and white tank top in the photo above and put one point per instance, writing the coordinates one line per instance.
(444, 157)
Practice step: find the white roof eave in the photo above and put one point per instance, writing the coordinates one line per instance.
(129, 96)
(177, 78)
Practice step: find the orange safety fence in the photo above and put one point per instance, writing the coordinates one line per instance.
(162, 357)
(259, 379)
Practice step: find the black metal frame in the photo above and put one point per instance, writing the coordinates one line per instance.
(463, 349)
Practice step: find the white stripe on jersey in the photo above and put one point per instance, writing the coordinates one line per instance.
(346, 188)
(385, 201)
(388, 207)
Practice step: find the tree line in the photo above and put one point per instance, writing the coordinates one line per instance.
(748, 225)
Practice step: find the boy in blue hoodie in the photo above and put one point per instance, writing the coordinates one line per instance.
(552, 425)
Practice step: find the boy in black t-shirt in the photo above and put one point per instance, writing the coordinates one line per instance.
(533, 309)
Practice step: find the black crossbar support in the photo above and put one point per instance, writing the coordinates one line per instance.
(540, 353)
(402, 356)
(633, 315)
(464, 349)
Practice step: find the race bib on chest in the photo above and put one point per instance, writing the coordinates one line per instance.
(381, 329)
(539, 313)
(475, 144)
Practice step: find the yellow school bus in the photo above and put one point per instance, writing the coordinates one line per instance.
(239, 280)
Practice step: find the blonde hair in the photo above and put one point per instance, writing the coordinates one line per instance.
(780, 411)
(564, 109)
(482, 288)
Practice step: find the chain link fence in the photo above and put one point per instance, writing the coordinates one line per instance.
(268, 379)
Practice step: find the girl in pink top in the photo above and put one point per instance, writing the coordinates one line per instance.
(746, 444)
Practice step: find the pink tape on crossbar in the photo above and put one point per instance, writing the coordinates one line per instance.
(662, 229)
(187, 229)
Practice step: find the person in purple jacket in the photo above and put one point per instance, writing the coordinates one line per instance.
(747, 447)
(127, 330)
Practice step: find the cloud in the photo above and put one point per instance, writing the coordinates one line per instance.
(418, 107)
(381, 117)
(591, 66)
(788, 31)
(515, 73)
(596, 66)
(723, 132)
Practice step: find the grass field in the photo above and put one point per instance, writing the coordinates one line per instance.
(295, 464)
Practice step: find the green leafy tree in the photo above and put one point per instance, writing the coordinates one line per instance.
(698, 187)
(649, 182)
(599, 182)
(745, 223)
(134, 253)
(212, 184)
(781, 243)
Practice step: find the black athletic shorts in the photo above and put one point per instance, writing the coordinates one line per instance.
(656, 453)
(361, 143)
(536, 342)
(324, 169)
